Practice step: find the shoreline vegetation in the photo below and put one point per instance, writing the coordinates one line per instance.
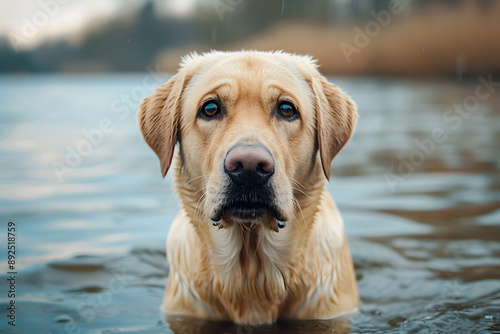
(438, 42)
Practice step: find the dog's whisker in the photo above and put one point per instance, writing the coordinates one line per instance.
(195, 178)
(214, 143)
(197, 213)
(202, 189)
(201, 216)
(302, 192)
(197, 209)
(300, 210)
(297, 182)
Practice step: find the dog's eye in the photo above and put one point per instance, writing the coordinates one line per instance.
(287, 110)
(210, 109)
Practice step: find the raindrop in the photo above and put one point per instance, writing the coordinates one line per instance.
(214, 35)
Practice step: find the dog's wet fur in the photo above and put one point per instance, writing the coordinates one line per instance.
(258, 237)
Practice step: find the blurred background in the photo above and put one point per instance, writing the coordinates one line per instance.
(404, 37)
(418, 185)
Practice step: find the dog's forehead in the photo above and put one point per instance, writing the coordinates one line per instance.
(302, 63)
(277, 72)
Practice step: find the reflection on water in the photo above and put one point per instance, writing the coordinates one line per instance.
(196, 326)
(91, 254)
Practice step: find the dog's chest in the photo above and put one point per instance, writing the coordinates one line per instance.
(250, 266)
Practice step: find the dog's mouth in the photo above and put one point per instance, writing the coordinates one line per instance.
(248, 205)
(244, 211)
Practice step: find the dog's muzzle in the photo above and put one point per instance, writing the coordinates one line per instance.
(249, 195)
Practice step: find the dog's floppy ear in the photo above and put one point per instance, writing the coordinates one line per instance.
(158, 119)
(336, 118)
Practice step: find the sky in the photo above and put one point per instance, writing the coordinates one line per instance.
(28, 22)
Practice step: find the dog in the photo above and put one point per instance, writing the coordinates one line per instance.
(258, 237)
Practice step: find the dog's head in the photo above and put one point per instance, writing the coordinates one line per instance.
(250, 125)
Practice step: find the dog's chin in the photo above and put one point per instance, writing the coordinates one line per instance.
(246, 212)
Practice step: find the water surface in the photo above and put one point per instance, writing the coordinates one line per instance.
(90, 238)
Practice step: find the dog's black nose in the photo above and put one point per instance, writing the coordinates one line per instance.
(249, 165)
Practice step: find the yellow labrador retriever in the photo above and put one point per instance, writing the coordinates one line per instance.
(258, 236)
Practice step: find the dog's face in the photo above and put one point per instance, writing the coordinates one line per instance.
(250, 125)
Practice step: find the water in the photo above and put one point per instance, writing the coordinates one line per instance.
(90, 243)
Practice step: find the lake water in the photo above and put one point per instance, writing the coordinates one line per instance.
(422, 218)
